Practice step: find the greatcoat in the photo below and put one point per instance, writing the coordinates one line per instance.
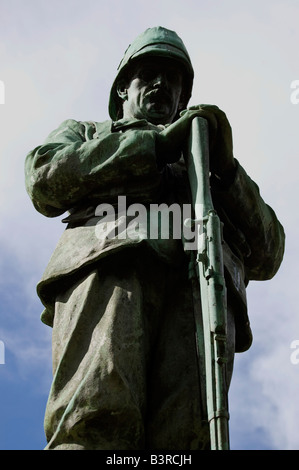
(82, 165)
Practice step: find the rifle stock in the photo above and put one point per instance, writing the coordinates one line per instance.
(211, 324)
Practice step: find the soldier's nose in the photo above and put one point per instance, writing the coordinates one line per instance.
(159, 79)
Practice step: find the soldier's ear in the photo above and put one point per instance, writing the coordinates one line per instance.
(122, 90)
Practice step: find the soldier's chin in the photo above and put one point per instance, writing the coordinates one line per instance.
(158, 114)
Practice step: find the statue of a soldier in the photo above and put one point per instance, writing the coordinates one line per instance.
(126, 373)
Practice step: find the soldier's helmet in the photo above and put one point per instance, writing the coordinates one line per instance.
(154, 42)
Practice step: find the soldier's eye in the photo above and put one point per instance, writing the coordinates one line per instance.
(147, 74)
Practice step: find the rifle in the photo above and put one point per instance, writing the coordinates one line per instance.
(210, 289)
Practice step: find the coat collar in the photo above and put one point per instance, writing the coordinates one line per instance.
(124, 124)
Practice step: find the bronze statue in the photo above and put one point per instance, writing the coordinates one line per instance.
(126, 373)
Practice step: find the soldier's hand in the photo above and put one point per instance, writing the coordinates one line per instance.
(171, 141)
(222, 161)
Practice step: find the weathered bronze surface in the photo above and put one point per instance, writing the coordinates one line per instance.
(125, 369)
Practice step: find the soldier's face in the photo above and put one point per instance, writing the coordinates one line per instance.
(154, 91)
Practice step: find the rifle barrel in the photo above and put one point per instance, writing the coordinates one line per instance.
(211, 332)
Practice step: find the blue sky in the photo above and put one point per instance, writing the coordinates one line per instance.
(58, 61)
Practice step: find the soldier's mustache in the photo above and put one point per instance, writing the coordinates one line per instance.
(159, 93)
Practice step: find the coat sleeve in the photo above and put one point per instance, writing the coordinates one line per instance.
(75, 162)
(259, 231)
